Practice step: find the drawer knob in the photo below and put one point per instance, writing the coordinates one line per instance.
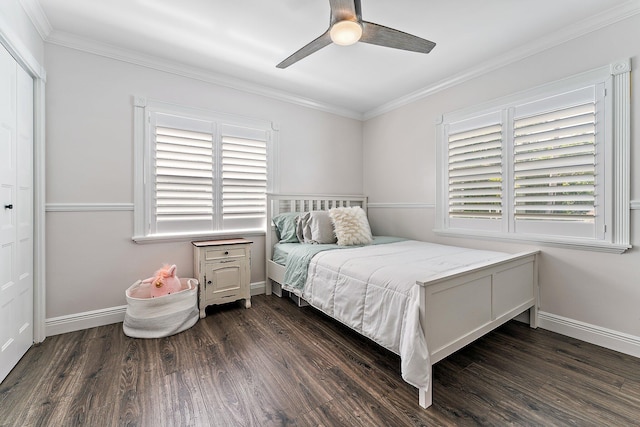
(209, 282)
(226, 252)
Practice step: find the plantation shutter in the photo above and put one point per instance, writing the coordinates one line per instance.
(244, 177)
(475, 181)
(555, 168)
(555, 165)
(184, 174)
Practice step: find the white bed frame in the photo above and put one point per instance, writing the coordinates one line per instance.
(455, 310)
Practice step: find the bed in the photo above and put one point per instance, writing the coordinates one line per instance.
(420, 300)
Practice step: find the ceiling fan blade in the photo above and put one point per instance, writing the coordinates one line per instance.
(345, 9)
(385, 36)
(307, 50)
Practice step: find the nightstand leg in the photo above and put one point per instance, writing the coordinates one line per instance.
(202, 313)
(247, 303)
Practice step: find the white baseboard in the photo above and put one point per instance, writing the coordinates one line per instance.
(258, 288)
(105, 316)
(613, 340)
(86, 320)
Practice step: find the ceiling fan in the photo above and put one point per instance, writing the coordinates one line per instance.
(346, 27)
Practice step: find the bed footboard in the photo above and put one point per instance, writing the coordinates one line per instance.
(456, 310)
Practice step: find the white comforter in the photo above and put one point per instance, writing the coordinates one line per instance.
(373, 290)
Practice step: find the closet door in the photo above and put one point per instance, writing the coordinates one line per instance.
(16, 212)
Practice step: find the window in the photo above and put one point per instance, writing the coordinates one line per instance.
(200, 173)
(549, 165)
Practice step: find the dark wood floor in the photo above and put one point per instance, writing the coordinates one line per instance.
(277, 364)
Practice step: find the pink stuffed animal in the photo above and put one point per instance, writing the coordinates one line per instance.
(164, 282)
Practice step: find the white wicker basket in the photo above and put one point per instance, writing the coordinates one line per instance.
(159, 317)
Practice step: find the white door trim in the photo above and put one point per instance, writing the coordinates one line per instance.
(28, 62)
(39, 253)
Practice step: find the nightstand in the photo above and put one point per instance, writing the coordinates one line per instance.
(223, 268)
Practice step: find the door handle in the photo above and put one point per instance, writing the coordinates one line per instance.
(8, 206)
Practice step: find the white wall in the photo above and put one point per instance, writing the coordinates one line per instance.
(91, 259)
(596, 289)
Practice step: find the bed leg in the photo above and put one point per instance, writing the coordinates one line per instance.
(533, 317)
(276, 288)
(299, 301)
(426, 394)
(533, 311)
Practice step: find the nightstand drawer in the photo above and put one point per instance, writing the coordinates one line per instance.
(222, 253)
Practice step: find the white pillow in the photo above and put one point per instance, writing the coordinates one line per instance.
(351, 226)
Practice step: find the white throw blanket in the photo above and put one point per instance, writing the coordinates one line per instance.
(373, 290)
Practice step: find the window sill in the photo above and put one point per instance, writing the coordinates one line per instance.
(170, 238)
(580, 244)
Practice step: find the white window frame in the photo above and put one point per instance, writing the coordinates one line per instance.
(144, 109)
(613, 164)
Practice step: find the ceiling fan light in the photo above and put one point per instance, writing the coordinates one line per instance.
(345, 33)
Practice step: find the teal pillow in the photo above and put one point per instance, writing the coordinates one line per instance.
(286, 227)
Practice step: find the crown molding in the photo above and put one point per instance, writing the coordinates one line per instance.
(579, 29)
(14, 45)
(37, 16)
(90, 46)
(594, 23)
